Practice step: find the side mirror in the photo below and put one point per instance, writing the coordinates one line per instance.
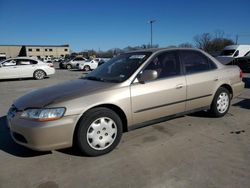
(147, 75)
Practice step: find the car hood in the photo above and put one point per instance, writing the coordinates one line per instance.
(61, 92)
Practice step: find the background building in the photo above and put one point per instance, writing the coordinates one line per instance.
(39, 51)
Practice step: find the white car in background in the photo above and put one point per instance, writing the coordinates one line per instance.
(88, 65)
(72, 64)
(24, 67)
(235, 51)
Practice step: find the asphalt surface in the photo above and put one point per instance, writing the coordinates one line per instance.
(190, 151)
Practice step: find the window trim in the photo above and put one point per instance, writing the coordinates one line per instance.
(30, 60)
(246, 54)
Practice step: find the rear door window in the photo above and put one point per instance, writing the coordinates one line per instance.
(195, 62)
(26, 62)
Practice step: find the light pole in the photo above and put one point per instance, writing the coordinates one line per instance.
(151, 31)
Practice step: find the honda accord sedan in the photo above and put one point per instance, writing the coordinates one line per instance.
(132, 90)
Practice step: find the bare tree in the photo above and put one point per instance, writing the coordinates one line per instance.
(219, 34)
(185, 45)
(203, 41)
(212, 44)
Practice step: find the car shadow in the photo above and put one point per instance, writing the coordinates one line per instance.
(72, 151)
(247, 82)
(245, 103)
(202, 114)
(7, 145)
(15, 79)
(20, 79)
(77, 70)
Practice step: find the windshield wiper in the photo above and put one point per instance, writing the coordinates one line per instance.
(93, 78)
(101, 79)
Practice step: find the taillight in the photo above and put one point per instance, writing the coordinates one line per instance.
(241, 73)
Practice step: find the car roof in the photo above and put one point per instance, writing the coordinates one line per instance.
(31, 58)
(153, 50)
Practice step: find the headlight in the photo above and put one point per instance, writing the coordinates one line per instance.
(43, 114)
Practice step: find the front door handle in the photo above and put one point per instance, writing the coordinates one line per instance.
(179, 86)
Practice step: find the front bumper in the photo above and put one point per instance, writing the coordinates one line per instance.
(43, 136)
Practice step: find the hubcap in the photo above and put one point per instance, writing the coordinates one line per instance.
(87, 68)
(39, 74)
(222, 102)
(101, 133)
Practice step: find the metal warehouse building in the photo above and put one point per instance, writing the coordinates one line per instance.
(39, 51)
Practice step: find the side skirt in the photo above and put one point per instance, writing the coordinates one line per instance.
(162, 119)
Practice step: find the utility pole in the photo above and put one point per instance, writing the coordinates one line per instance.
(151, 31)
(236, 39)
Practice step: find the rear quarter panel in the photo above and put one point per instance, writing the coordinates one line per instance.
(231, 75)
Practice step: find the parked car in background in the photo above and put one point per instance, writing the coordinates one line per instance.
(242, 62)
(24, 67)
(72, 63)
(50, 63)
(103, 60)
(88, 65)
(235, 51)
(2, 56)
(132, 90)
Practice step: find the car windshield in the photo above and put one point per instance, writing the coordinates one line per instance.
(119, 68)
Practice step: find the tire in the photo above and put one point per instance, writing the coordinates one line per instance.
(94, 138)
(39, 74)
(86, 68)
(68, 66)
(221, 102)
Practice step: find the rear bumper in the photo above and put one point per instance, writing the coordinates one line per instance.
(238, 88)
(50, 71)
(43, 136)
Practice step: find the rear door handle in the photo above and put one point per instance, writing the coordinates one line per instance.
(179, 86)
(216, 79)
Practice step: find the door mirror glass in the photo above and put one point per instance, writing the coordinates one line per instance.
(147, 75)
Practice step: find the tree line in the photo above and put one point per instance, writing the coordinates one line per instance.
(211, 43)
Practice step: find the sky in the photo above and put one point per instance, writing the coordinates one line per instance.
(106, 24)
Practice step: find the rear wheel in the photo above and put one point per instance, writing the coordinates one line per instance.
(221, 102)
(61, 65)
(39, 74)
(99, 132)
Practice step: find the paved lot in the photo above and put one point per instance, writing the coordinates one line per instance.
(189, 152)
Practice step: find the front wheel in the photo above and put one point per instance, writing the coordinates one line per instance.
(87, 68)
(68, 66)
(99, 132)
(221, 102)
